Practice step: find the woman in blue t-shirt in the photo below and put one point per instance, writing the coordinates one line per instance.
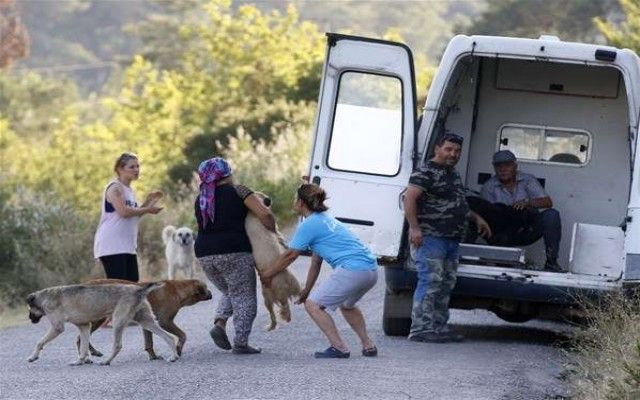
(355, 271)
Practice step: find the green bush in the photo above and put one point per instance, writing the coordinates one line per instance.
(274, 166)
(43, 242)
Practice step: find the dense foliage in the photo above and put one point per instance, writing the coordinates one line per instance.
(244, 88)
(625, 34)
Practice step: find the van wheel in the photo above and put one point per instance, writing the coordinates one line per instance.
(396, 326)
(396, 314)
(513, 317)
(514, 311)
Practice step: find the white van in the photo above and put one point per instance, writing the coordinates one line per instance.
(569, 111)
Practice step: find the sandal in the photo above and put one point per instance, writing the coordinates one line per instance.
(220, 338)
(246, 350)
(332, 352)
(370, 352)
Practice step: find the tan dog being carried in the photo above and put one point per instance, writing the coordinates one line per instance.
(165, 302)
(83, 304)
(267, 247)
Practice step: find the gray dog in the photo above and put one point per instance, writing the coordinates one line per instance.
(82, 304)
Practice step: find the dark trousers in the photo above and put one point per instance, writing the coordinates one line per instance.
(121, 266)
(511, 227)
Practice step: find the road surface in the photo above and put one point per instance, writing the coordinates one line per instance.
(497, 361)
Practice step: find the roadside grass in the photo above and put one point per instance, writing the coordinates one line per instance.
(13, 316)
(606, 353)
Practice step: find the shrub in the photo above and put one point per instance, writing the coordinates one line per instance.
(43, 242)
(607, 351)
(274, 167)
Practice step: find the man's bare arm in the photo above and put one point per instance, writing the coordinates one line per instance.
(411, 214)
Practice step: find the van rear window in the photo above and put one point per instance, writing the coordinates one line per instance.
(366, 135)
(546, 144)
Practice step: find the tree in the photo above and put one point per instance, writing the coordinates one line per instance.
(30, 102)
(569, 19)
(274, 167)
(161, 35)
(240, 68)
(426, 26)
(14, 39)
(246, 68)
(627, 34)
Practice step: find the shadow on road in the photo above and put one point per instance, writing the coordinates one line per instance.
(511, 334)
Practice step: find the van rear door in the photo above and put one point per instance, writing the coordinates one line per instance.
(365, 137)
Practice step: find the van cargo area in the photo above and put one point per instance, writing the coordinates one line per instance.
(568, 123)
(569, 126)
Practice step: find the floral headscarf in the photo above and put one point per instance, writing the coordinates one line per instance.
(210, 171)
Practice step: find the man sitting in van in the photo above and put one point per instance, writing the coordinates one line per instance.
(511, 203)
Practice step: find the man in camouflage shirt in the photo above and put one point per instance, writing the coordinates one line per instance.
(437, 213)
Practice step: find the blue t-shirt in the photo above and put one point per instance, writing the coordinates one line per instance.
(331, 240)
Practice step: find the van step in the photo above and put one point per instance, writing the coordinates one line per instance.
(509, 254)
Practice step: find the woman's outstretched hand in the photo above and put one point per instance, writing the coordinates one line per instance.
(154, 209)
(153, 197)
(304, 293)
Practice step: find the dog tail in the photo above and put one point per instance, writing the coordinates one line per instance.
(167, 233)
(148, 288)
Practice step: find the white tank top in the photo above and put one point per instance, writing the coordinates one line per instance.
(115, 234)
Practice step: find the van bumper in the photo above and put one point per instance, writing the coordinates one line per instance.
(400, 280)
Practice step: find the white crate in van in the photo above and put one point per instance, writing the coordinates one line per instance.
(596, 250)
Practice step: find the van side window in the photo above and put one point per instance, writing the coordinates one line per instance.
(366, 135)
(546, 144)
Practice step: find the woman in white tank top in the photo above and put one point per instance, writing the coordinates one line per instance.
(116, 238)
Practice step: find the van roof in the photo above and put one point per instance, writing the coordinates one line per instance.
(543, 47)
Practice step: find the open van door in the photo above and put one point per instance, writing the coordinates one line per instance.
(365, 137)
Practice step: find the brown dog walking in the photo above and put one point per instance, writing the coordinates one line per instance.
(165, 302)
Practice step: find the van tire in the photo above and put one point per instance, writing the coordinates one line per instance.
(513, 317)
(396, 326)
(396, 314)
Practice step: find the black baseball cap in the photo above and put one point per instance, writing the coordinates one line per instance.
(503, 156)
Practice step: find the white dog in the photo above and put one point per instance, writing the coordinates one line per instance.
(179, 250)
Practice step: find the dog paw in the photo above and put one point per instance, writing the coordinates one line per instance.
(32, 358)
(105, 363)
(96, 354)
(88, 361)
(172, 359)
(155, 357)
(270, 327)
(77, 362)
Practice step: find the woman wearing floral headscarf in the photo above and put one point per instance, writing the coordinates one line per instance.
(224, 250)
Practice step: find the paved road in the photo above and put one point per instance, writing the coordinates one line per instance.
(498, 361)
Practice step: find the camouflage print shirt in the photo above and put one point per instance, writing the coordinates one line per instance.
(442, 208)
